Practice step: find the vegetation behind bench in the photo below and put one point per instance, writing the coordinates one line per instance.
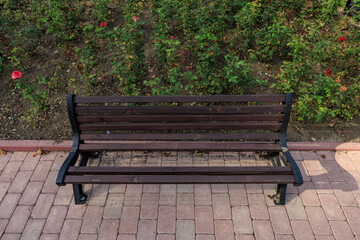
(179, 123)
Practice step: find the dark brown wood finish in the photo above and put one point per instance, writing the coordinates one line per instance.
(180, 118)
(181, 99)
(180, 110)
(180, 146)
(179, 126)
(183, 136)
(178, 179)
(103, 170)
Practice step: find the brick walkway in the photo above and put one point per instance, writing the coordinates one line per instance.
(326, 206)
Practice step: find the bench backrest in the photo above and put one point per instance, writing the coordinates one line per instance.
(218, 118)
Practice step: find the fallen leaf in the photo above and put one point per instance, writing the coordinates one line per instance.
(2, 152)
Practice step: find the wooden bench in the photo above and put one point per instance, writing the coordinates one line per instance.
(240, 123)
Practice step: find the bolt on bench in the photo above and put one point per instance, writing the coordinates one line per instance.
(240, 123)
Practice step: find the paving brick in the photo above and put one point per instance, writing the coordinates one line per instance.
(185, 212)
(50, 156)
(341, 230)
(253, 188)
(99, 194)
(126, 237)
(11, 236)
(202, 194)
(224, 230)
(146, 230)
(309, 155)
(4, 159)
(10, 171)
(313, 165)
(279, 220)
(185, 230)
(64, 195)
(108, 229)
(9, 204)
(70, 230)
(343, 193)
(92, 219)
(331, 207)
(49, 237)
(150, 199)
(237, 194)
(219, 188)
(323, 237)
(304, 171)
(326, 155)
(344, 161)
(33, 229)
(129, 220)
(18, 156)
(302, 230)
(318, 221)
(333, 171)
(85, 236)
(41, 171)
(295, 207)
(55, 219)
(3, 223)
(354, 155)
(321, 182)
(205, 237)
(221, 206)
(244, 237)
(4, 186)
(308, 194)
(241, 220)
(30, 162)
(296, 155)
(167, 194)
(18, 220)
(284, 237)
(263, 230)
(204, 220)
(20, 181)
(117, 188)
(31, 193)
(50, 183)
(42, 206)
(353, 215)
(151, 188)
(353, 179)
(113, 207)
(76, 211)
(258, 209)
(166, 219)
(149, 211)
(165, 237)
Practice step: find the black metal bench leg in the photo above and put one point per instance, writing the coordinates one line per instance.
(279, 197)
(79, 195)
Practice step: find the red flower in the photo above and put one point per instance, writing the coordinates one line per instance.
(328, 72)
(133, 30)
(341, 39)
(135, 18)
(103, 24)
(16, 75)
(172, 37)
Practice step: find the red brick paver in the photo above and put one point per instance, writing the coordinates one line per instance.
(325, 207)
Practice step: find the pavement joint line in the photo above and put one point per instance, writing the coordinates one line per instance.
(52, 145)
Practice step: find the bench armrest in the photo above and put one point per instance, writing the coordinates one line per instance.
(70, 161)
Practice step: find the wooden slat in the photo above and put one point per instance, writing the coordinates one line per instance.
(180, 110)
(183, 136)
(181, 99)
(179, 126)
(178, 179)
(180, 146)
(104, 170)
(181, 118)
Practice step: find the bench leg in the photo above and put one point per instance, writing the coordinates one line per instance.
(79, 195)
(279, 197)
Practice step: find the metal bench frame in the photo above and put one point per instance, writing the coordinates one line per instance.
(289, 173)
